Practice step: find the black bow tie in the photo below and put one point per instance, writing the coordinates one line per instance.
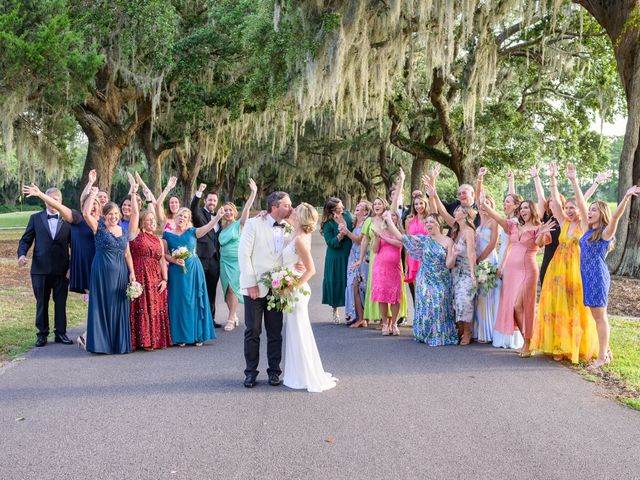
(276, 224)
(49, 216)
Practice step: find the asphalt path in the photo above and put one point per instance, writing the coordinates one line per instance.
(400, 410)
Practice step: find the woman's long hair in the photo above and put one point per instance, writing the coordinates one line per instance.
(468, 220)
(535, 216)
(413, 213)
(329, 209)
(369, 208)
(605, 218)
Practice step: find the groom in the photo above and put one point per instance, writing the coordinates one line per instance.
(260, 251)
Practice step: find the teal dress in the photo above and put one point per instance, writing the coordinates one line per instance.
(189, 311)
(336, 262)
(229, 239)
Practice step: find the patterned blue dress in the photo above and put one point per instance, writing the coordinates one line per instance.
(433, 321)
(486, 311)
(360, 275)
(594, 271)
(108, 326)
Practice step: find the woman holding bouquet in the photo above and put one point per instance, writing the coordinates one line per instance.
(189, 311)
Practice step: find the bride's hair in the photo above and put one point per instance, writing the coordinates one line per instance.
(307, 217)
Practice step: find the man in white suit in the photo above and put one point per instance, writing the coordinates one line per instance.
(260, 251)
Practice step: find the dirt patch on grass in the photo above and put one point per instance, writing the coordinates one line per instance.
(624, 297)
(612, 386)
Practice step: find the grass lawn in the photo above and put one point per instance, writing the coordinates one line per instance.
(15, 219)
(625, 345)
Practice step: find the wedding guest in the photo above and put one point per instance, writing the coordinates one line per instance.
(415, 224)
(49, 265)
(125, 208)
(564, 327)
(600, 228)
(167, 221)
(520, 276)
(150, 328)
(208, 247)
(466, 196)
(433, 318)
(337, 255)
(229, 239)
(189, 311)
(108, 327)
(103, 198)
(487, 300)
(356, 290)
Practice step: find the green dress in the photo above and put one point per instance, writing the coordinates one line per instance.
(371, 309)
(335, 263)
(229, 239)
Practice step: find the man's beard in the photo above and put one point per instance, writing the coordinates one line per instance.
(212, 209)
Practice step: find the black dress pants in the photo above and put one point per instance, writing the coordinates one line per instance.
(211, 268)
(43, 286)
(254, 310)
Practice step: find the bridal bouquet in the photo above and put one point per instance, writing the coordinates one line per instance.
(181, 253)
(134, 290)
(281, 283)
(486, 274)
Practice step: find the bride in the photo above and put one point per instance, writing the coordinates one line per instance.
(302, 364)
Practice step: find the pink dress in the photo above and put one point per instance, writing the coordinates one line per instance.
(386, 281)
(415, 227)
(520, 278)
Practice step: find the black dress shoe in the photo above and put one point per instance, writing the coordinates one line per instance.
(217, 325)
(274, 379)
(250, 381)
(401, 321)
(63, 339)
(41, 341)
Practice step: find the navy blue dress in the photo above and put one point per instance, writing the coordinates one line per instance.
(189, 311)
(594, 271)
(108, 326)
(83, 249)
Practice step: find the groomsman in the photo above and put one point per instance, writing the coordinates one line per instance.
(208, 248)
(49, 266)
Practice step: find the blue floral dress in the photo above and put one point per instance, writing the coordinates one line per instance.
(594, 271)
(433, 321)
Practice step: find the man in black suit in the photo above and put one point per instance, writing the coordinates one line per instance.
(208, 247)
(49, 267)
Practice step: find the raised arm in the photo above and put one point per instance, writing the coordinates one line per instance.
(33, 191)
(397, 198)
(207, 227)
(93, 176)
(601, 178)
(480, 180)
(86, 211)
(556, 204)
(198, 216)
(393, 230)
(430, 188)
(511, 182)
(249, 203)
(577, 192)
(539, 190)
(134, 219)
(610, 230)
(503, 222)
(161, 198)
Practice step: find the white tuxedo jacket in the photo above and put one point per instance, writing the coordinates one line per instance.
(257, 254)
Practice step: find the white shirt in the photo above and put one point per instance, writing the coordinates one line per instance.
(278, 234)
(53, 223)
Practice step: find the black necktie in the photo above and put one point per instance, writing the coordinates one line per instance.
(49, 216)
(276, 224)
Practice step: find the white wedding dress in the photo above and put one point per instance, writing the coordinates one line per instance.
(302, 364)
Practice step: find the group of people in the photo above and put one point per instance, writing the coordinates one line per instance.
(436, 249)
(103, 249)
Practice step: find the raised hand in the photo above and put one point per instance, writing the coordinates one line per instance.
(553, 169)
(31, 190)
(173, 180)
(482, 172)
(252, 186)
(509, 174)
(94, 191)
(603, 177)
(401, 176)
(547, 227)
(132, 180)
(435, 172)
(533, 171)
(93, 176)
(571, 171)
(220, 213)
(428, 185)
(202, 187)
(633, 191)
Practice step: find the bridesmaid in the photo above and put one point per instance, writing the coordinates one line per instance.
(229, 239)
(520, 278)
(564, 327)
(487, 302)
(150, 328)
(415, 225)
(600, 228)
(356, 289)
(189, 310)
(337, 256)
(108, 327)
(168, 221)
(433, 322)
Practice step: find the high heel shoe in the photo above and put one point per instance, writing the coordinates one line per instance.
(385, 330)
(231, 323)
(336, 318)
(81, 343)
(395, 330)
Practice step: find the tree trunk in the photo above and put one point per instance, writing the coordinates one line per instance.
(188, 169)
(418, 169)
(615, 16)
(155, 156)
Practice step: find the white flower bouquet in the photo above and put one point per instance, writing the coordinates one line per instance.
(487, 277)
(134, 290)
(181, 253)
(282, 285)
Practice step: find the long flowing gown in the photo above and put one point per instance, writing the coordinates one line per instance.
(463, 291)
(386, 284)
(108, 327)
(520, 278)
(189, 311)
(150, 311)
(564, 326)
(433, 321)
(487, 302)
(335, 262)
(302, 364)
(371, 308)
(83, 249)
(358, 276)
(229, 239)
(594, 271)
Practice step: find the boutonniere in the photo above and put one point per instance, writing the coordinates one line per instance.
(288, 229)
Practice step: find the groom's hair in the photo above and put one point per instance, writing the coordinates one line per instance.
(273, 200)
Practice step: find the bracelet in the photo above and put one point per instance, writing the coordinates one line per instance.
(164, 279)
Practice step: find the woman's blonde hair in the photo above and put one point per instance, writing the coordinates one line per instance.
(185, 209)
(143, 215)
(307, 217)
(605, 218)
(233, 208)
(369, 206)
(385, 203)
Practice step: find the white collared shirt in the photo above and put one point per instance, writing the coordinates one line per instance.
(278, 234)
(53, 223)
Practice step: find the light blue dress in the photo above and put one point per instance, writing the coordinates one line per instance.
(189, 311)
(433, 321)
(486, 311)
(229, 239)
(361, 275)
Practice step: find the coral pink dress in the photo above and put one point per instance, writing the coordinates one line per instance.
(415, 227)
(386, 281)
(520, 278)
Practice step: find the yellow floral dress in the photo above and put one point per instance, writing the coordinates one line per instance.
(563, 325)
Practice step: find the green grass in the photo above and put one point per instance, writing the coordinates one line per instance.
(15, 220)
(625, 345)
